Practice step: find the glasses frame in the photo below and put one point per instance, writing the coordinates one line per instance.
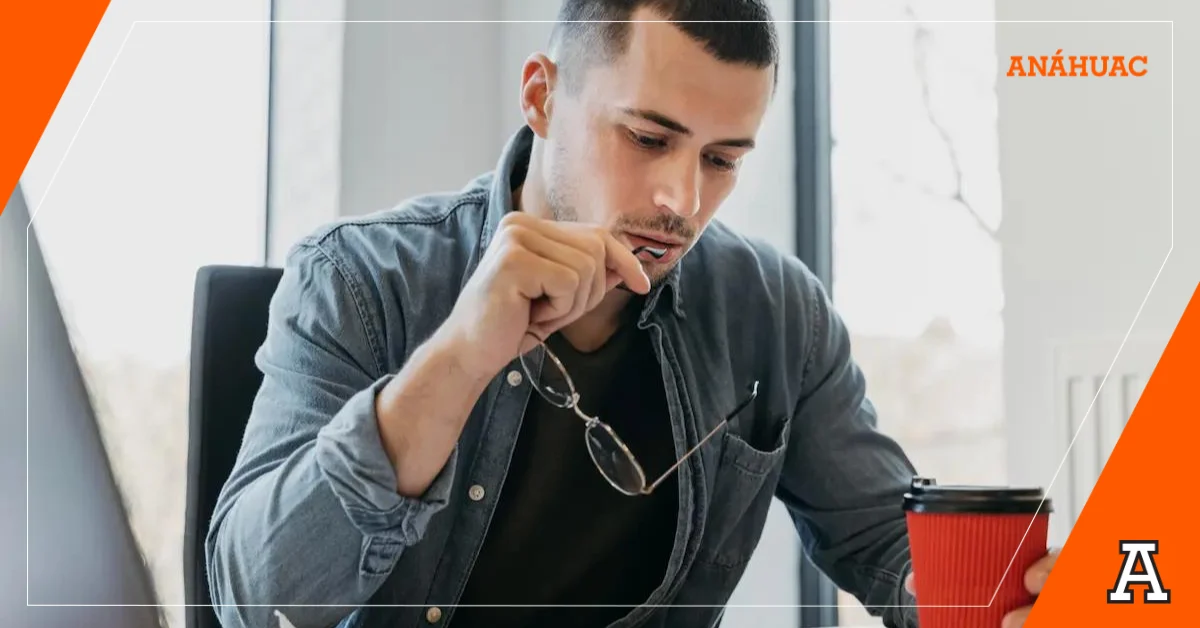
(572, 403)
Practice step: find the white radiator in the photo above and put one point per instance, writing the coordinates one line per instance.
(1079, 370)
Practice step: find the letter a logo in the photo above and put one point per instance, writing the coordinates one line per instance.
(1139, 553)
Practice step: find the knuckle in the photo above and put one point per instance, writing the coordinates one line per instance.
(513, 218)
(597, 249)
(515, 240)
(513, 258)
(516, 232)
(599, 242)
(587, 265)
(571, 280)
(572, 275)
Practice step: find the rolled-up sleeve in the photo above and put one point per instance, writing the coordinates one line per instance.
(310, 521)
(351, 457)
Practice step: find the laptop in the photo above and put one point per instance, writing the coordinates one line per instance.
(83, 564)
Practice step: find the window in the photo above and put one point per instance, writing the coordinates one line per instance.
(168, 174)
(915, 211)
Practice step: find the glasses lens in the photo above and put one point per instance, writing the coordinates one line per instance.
(614, 460)
(547, 376)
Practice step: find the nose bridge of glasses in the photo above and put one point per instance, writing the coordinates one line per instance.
(590, 420)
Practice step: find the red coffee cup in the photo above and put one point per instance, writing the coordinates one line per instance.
(970, 548)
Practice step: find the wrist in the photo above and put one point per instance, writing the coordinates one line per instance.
(457, 351)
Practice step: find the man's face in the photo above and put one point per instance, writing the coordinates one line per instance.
(650, 146)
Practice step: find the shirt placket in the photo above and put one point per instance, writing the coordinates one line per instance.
(691, 490)
(482, 483)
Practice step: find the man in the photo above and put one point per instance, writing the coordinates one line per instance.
(506, 405)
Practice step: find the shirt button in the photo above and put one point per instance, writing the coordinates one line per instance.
(514, 378)
(475, 493)
(433, 615)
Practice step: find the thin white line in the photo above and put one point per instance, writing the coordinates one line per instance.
(1087, 414)
(81, 123)
(998, 586)
(28, 229)
(629, 606)
(1136, 316)
(28, 439)
(655, 21)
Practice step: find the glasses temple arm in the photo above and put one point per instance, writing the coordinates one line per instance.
(691, 451)
(741, 406)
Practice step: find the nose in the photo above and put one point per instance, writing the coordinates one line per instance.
(677, 190)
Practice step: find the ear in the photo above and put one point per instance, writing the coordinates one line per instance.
(538, 78)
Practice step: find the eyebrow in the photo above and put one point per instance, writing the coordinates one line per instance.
(668, 123)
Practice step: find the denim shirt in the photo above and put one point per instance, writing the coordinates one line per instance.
(310, 521)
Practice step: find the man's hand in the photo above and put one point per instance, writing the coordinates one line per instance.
(1035, 579)
(542, 275)
(536, 274)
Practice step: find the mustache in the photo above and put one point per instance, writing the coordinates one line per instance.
(664, 223)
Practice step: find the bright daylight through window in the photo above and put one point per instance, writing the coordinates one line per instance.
(916, 213)
(168, 174)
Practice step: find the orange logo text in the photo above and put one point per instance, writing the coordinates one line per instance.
(1057, 65)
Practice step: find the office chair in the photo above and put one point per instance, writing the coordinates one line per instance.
(229, 323)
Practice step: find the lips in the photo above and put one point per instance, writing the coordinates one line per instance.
(654, 239)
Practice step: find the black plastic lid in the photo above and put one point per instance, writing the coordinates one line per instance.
(926, 496)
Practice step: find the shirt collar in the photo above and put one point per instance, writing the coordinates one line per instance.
(510, 173)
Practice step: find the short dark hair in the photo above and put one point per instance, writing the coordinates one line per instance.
(597, 31)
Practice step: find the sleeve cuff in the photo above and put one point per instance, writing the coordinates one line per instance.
(351, 457)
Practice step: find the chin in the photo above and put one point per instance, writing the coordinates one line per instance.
(659, 278)
(654, 283)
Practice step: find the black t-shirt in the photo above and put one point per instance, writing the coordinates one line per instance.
(561, 534)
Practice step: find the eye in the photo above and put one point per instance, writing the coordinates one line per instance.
(720, 163)
(646, 141)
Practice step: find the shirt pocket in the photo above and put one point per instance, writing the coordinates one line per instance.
(746, 476)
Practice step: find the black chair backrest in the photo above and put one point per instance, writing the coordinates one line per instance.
(229, 324)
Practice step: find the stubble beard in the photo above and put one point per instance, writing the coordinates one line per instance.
(562, 209)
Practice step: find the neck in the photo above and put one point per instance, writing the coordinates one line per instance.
(590, 331)
(593, 329)
(530, 195)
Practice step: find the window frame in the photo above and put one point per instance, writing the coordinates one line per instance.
(268, 217)
(813, 224)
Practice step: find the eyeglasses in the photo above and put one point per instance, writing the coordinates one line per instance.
(609, 453)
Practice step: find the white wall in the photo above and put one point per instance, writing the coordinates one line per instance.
(306, 113)
(419, 100)
(1086, 175)
(366, 114)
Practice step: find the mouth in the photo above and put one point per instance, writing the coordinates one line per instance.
(655, 248)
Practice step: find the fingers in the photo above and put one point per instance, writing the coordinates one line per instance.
(552, 288)
(610, 253)
(1035, 580)
(1039, 572)
(562, 270)
(583, 287)
(587, 244)
(1017, 618)
(625, 265)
